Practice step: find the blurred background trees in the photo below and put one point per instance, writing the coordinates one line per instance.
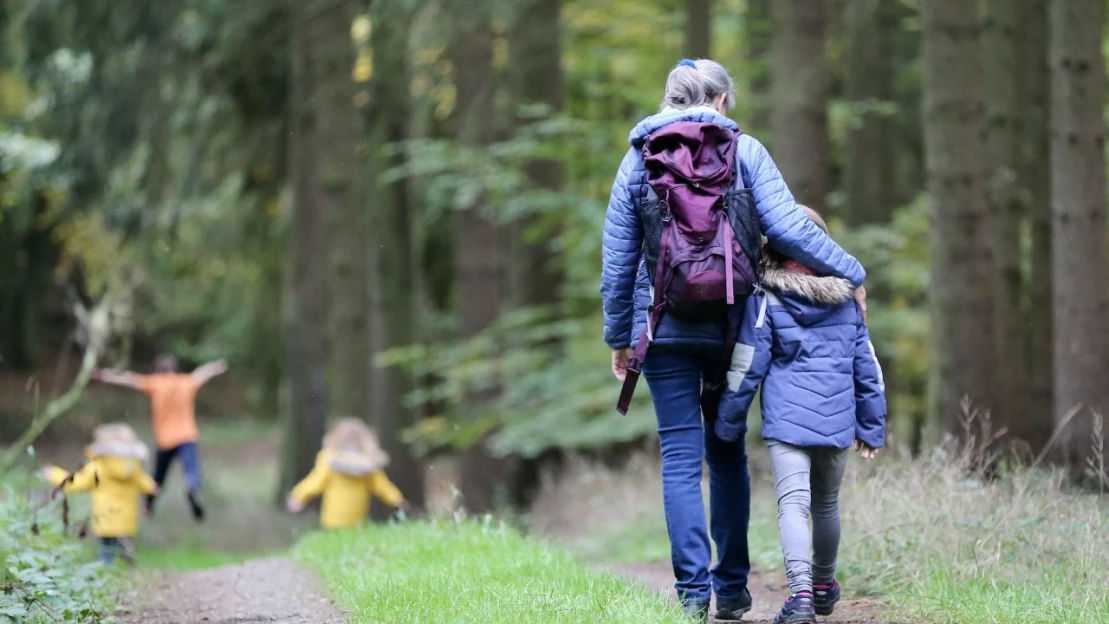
(392, 209)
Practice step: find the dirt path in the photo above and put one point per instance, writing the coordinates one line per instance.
(263, 590)
(767, 595)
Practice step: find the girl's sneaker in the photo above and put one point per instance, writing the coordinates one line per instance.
(798, 609)
(825, 597)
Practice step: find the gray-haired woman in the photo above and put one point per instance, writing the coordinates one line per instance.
(684, 353)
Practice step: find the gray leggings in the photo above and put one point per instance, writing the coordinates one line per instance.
(808, 478)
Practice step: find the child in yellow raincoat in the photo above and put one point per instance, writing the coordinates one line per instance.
(114, 473)
(349, 470)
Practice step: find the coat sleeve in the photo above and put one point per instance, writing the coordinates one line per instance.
(83, 480)
(870, 391)
(785, 225)
(312, 485)
(145, 483)
(384, 489)
(750, 362)
(621, 246)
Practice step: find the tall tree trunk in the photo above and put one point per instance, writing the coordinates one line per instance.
(799, 89)
(338, 122)
(536, 274)
(1078, 200)
(757, 29)
(870, 165)
(698, 28)
(962, 340)
(1007, 194)
(395, 306)
(477, 250)
(1036, 97)
(871, 161)
(306, 340)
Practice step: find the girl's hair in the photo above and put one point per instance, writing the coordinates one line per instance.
(352, 435)
(698, 83)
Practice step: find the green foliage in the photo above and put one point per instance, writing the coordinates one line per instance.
(470, 572)
(46, 576)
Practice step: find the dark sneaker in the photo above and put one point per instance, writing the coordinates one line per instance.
(825, 597)
(798, 609)
(697, 611)
(196, 506)
(733, 609)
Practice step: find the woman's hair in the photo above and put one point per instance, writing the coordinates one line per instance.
(698, 83)
(351, 435)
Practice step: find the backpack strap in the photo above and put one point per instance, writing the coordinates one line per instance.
(654, 313)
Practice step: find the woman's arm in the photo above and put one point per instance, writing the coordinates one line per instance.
(785, 225)
(621, 245)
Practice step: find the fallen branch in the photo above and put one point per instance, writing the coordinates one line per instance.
(53, 410)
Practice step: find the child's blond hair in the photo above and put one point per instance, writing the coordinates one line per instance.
(351, 435)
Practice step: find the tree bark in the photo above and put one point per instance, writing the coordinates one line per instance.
(536, 273)
(394, 260)
(962, 342)
(328, 39)
(698, 28)
(757, 29)
(477, 251)
(870, 166)
(799, 93)
(1007, 194)
(306, 340)
(1036, 97)
(1081, 237)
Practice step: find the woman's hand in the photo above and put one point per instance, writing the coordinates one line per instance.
(865, 451)
(620, 359)
(860, 300)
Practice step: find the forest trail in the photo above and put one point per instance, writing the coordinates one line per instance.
(262, 590)
(766, 593)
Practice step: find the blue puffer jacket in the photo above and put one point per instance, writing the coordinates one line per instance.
(804, 340)
(625, 289)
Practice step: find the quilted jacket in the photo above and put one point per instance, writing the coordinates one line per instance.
(625, 289)
(804, 341)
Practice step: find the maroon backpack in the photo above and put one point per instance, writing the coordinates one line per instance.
(701, 236)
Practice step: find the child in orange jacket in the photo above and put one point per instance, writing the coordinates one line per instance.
(349, 470)
(114, 473)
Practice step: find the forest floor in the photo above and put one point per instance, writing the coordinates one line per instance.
(261, 590)
(904, 558)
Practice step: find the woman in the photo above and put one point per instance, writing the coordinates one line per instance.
(683, 353)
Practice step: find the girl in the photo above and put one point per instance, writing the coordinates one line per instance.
(115, 475)
(805, 342)
(683, 353)
(349, 469)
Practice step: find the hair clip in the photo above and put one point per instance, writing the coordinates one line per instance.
(687, 63)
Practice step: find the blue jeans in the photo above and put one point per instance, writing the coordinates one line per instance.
(674, 376)
(190, 465)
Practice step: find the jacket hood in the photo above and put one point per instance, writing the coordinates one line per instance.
(701, 114)
(353, 464)
(119, 468)
(122, 449)
(809, 299)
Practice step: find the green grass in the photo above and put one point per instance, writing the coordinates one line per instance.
(186, 558)
(473, 573)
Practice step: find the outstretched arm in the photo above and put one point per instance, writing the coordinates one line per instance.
(206, 372)
(126, 379)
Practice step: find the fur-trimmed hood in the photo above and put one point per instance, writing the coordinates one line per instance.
(809, 298)
(353, 449)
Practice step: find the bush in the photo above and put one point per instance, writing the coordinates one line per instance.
(46, 575)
